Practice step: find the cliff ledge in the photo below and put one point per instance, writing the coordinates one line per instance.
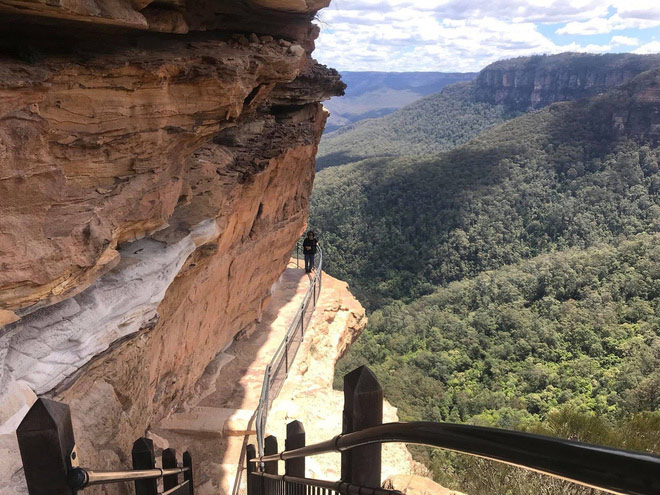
(155, 170)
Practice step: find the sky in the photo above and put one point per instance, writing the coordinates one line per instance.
(467, 35)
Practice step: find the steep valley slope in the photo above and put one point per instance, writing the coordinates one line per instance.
(572, 174)
(514, 280)
(565, 344)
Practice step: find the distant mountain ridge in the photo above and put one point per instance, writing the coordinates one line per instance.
(376, 94)
(586, 152)
(529, 83)
(502, 90)
(433, 124)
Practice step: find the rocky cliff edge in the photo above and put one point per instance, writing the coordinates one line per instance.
(152, 186)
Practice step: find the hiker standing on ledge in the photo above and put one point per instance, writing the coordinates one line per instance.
(309, 248)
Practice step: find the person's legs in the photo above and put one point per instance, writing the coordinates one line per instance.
(308, 267)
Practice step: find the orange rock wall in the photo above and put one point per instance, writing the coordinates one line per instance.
(178, 167)
(219, 291)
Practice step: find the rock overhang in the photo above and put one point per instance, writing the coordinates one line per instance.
(288, 18)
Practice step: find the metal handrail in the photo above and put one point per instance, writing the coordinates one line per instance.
(281, 353)
(80, 478)
(612, 470)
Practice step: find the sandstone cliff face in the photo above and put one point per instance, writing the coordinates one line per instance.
(635, 108)
(534, 82)
(288, 18)
(151, 190)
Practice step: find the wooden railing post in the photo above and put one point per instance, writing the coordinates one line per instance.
(144, 458)
(46, 443)
(169, 461)
(251, 453)
(188, 475)
(270, 447)
(363, 408)
(295, 438)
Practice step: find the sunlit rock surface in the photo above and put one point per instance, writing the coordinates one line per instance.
(152, 187)
(308, 395)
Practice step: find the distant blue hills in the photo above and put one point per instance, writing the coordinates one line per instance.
(375, 94)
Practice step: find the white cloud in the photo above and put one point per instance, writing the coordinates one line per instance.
(616, 22)
(624, 41)
(652, 47)
(466, 35)
(624, 14)
(592, 26)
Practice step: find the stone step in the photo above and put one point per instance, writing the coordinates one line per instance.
(215, 421)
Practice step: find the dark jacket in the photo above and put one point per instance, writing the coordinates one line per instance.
(311, 243)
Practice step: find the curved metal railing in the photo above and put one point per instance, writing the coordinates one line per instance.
(604, 468)
(278, 368)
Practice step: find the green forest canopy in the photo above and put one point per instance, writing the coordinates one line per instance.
(564, 344)
(396, 228)
(513, 280)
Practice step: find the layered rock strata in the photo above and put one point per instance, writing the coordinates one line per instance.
(288, 18)
(151, 190)
(526, 83)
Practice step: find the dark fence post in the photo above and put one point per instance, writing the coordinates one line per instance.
(270, 447)
(363, 408)
(169, 461)
(295, 438)
(251, 453)
(188, 475)
(46, 442)
(143, 458)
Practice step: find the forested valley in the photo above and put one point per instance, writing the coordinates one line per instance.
(511, 269)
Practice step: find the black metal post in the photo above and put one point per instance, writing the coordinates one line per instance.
(363, 408)
(188, 475)
(144, 458)
(295, 438)
(46, 443)
(270, 447)
(251, 453)
(169, 461)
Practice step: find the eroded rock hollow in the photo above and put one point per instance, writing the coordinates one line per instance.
(156, 161)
